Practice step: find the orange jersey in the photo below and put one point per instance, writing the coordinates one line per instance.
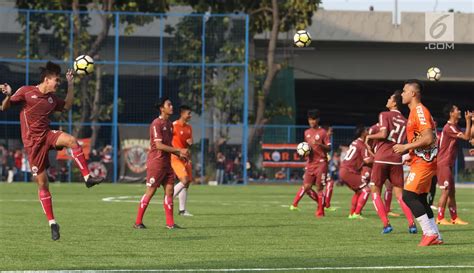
(182, 134)
(419, 120)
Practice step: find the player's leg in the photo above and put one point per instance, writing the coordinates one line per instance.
(432, 193)
(328, 193)
(361, 192)
(378, 177)
(396, 179)
(151, 186)
(453, 207)
(414, 195)
(66, 140)
(320, 183)
(184, 173)
(308, 181)
(168, 186)
(387, 197)
(46, 201)
(443, 183)
(354, 200)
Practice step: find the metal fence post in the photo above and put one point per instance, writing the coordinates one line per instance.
(246, 103)
(71, 60)
(203, 90)
(27, 70)
(161, 57)
(115, 111)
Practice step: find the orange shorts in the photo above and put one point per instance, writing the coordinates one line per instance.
(182, 168)
(419, 179)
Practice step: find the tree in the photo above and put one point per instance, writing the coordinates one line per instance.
(274, 16)
(91, 91)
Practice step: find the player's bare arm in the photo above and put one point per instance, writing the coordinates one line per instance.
(184, 153)
(426, 139)
(467, 134)
(7, 91)
(70, 90)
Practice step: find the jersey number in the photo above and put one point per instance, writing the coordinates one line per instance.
(397, 133)
(350, 153)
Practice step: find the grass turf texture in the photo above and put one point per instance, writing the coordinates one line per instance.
(233, 227)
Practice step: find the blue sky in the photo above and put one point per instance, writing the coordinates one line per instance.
(466, 6)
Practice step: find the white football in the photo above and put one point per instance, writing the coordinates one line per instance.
(433, 74)
(303, 149)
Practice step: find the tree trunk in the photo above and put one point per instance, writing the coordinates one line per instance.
(272, 70)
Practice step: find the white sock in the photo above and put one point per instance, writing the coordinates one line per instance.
(86, 177)
(52, 222)
(177, 189)
(183, 196)
(434, 226)
(425, 224)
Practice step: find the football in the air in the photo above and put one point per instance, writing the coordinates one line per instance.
(302, 38)
(433, 74)
(303, 149)
(83, 65)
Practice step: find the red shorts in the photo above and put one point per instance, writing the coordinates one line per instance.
(355, 181)
(316, 174)
(381, 172)
(156, 176)
(445, 177)
(39, 152)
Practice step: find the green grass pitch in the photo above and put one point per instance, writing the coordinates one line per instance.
(234, 227)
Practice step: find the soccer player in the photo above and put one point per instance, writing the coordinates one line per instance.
(329, 183)
(422, 148)
(353, 175)
(37, 103)
(182, 138)
(159, 170)
(387, 163)
(316, 164)
(445, 162)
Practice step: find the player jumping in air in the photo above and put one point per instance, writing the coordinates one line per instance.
(316, 164)
(387, 163)
(38, 102)
(445, 162)
(421, 132)
(159, 171)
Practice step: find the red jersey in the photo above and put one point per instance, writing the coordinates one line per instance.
(372, 131)
(448, 144)
(160, 130)
(315, 136)
(182, 133)
(355, 156)
(395, 124)
(419, 120)
(34, 115)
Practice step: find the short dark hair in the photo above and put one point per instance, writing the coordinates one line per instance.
(313, 113)
(419, 84)
(448, 108)
(161, 102)
(397, 96)
(359, 130)
(51, 69)
(183, 108)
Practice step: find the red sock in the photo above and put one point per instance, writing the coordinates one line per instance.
(320, 210)
(440, 213)
(388, 200)
(298, 196)
(168, 205)
(355, 197)
(453, 212)
(406, 210)
(80, 160)
(363, 196)
(380, 208)
(47, 203)
(312, 194)
(329, 188)
(142, 208)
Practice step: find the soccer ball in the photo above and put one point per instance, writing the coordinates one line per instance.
(302, 38)
(303, 149)
(84, 65)
(433, 74)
